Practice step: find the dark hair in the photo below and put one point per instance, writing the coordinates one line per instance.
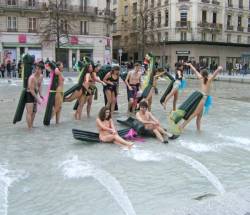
(58, 63)
(102, 114)
(115, 68)
(204, 74)
(143, 104)
(178, 65)
(40, 64)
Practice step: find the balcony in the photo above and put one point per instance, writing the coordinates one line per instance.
(210, 26)
(230, 5)
(215, 2)
(11, 30)
(32, 30)
(205, 1)
(183, 0)
(230, 28)
(240, 28)
(183, 25)
(248, 29)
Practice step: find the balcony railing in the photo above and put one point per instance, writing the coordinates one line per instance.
(12, 29)
(230, 28)
(32, 30)
(211, 26)
(183, 24)
(184, 0)
(205, 1)
(215, 2)
(240, 28)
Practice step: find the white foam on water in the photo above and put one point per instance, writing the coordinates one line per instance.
(7, 178)
(240, 140)
(74, 168)
(199, 147)
(143, 155)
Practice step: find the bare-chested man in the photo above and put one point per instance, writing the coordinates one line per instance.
(133, 82)
(150, 122)
(34, 88)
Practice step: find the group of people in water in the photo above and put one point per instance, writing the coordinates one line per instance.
(139, 96)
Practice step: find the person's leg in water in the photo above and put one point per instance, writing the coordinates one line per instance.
(108, 94)
(75, 95)
(198, 110)
(113, 102)
(175, 100)
(198, 120)
(169, 96)
(115, 138)
(150, 98)
(34, 113)
(29, 108)
(82, 101)
(89, 103)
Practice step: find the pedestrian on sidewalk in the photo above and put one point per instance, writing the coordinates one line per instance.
(2, 69)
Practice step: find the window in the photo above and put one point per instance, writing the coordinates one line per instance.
(152, 3)
(152, 20)
(203, 36)
(32, 24)
(183, 18)
(213, 37)
(146, 4)
(159, 37)
(229, 2)
(248, 24)
(84, 27)
(239, 39)
(204, 16)
(114, 1)
(166, 18)
(134, 8)
(183, 36)
(114, 10)
(229, 38)
(12, 23)
(126, 11)
(11, 2)
(229, 18)
(241, 4)
(31, 3)
(146, 22)
(214, 18)
(114, 27)
(134, 23)
(63, 25)
(239, 21)
(248, 39)
(159, 19)
(159, 3)
(166, 36)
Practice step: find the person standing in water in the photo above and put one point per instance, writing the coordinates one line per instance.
(178, 84)
(33, 89)
(133, 82)
(107, 131)
(206, 81)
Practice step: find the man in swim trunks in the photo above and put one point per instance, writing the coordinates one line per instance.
(133, 82)
(34, 88)
(150, 122)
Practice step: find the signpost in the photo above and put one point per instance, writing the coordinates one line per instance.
(120, 55)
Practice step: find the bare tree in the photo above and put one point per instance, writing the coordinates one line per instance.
(56, 23)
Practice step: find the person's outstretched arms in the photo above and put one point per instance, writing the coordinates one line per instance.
(194, 70)
(216, 72)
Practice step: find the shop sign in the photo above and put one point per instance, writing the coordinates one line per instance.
(22, 38)
(182, 52)
(74, 40)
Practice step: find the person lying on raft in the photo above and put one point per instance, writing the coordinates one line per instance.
(59, 92)
(178, 84)
(133, 82)
(150, 122)
(93, 78)
(206, 81)
(33, 89)
(107, 131)
(111, 89)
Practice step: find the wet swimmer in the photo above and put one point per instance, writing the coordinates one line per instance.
(150, 122)
(33, 93)
(133, 82)
(206, 81)
(107, 131)
(111, 80)
(178, 84)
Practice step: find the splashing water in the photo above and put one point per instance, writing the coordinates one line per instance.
(142, 155)
(73, 168)
(7, 177)
(239, 140)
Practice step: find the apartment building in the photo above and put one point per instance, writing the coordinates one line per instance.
(204, 31)
(22, 24)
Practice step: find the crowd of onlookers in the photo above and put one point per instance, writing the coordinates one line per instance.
(10, 69)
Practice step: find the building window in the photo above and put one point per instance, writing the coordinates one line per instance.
(203, 36)
(12, 23)
(166, 36)
(213, 37)
(239, 39)
(229, 38)
(146, 4)
(183, 18)
(159, 3)
(126, 11)
(11, 2)
(183, 36)
(32, 24)
(159, 20)
(152, 21)
(166, 18)
(229, 18)
(114, 1)
(114, 27)
(241, 4)
(204, 16)
(152, 3)
(31, 3)
(64, 26)
(159, 37)
(248, 24)
(134, 23)
(114, 10)
(248, 39)
(214, 18)
(84, 27)
(229, 2)
(146, 22)
(239, 21)
(134, 7)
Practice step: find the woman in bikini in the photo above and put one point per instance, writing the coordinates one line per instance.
(177, 85)
(111, 80)
(206, 81)
(107, 131)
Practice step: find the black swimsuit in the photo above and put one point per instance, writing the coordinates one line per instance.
(112, 88)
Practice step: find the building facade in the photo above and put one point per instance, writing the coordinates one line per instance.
(88, 24)
(204, 31)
